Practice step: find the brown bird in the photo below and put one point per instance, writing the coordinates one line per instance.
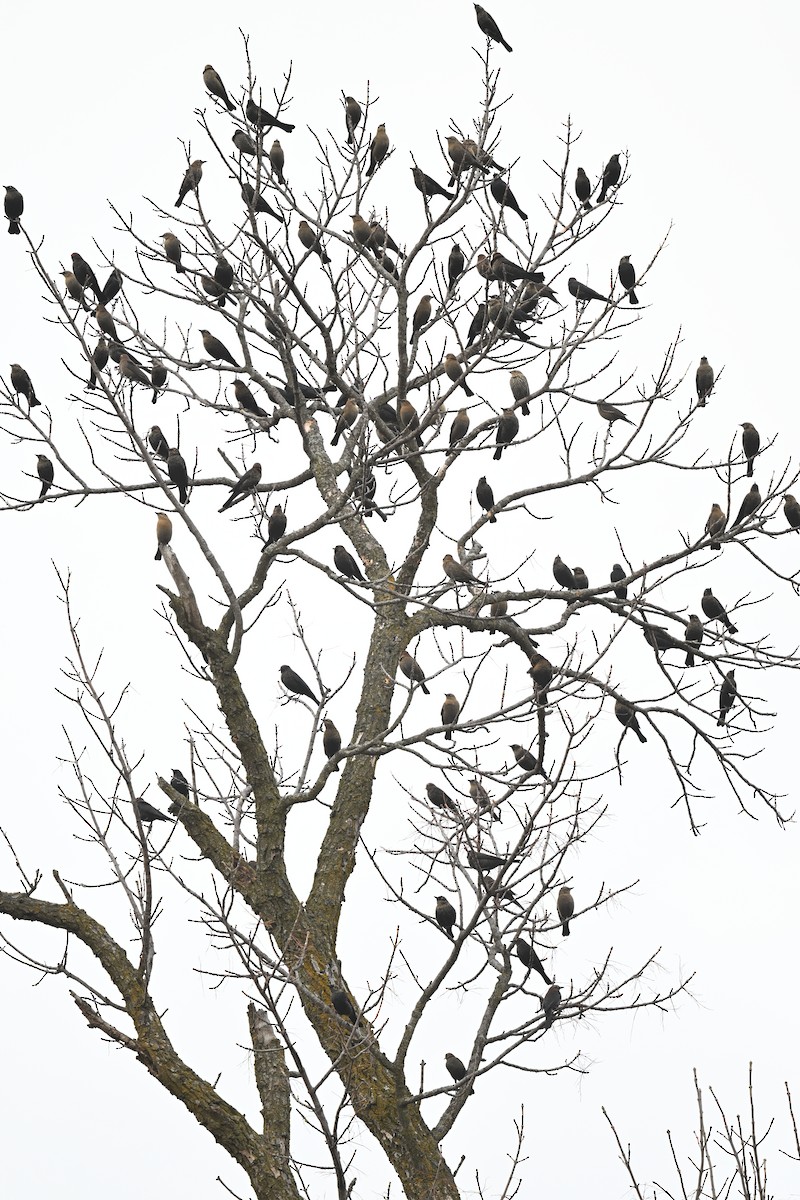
(439, 799)
(626, 715)
(727, 694)
(246, 399)
(244, 144)
(551, 1001)
(455, 266)
(21, 383)
(520, 391)
(262, 119)
(485, 497)
(751, 444)
(379, 148)
(715, 611)
(176, 469)
(693, 636)
(133, 373)
(791, 510)
(507, 430)
(74, 289)
(277, 160)
(541, 672)
(106, 322)
(580, 577)
(158, 443)
(457, 573)
(379, 239)
(750, 503)
(163, 532)
(455, 374)
(524, 759)
(566, 907)
(215, 349)
(488, 25)
(583, 293)
(450, 710)
(191, 180)
(346, 418)
(352, 116)
(311, 240)
(455, 1067)
(562, 574)
(294, 683)
(412, 670)
(483, 265)
(409, 421)
(99, 360)
(215, 85)
(44, 469)
(244, 486)
(610, 413)
(445, 916)
(429, 187)
(257, 203)
(362, 232)
(530, 959)
(460, 427)
(704, 381)
(13, 206)
(583, 188)
(504, 196)
(617, 574)
(462, 157)
(346, 565)
(173, 250)
(499, 608)
(276, 525)
(422, 314)
(331, 741)
(482, 798)
(715, 525)
(627, 277)
(611, 176)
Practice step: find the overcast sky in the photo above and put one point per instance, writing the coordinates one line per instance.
(700, 98)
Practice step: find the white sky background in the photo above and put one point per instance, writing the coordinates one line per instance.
(702, 98)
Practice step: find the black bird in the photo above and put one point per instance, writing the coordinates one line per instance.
(440, 799)
(505, 197)
(507, 430)
(445, 916)
(21, 383)
(583, 188)
(85, 275)
(562, 574)
(693, 636)
(215, 85)
(480, 860)
(659, 639)
(44, 469)
(262, 119)
(213, 289)
(148, 814)
(791, 510)
(343, 1005)
(429, 187)
(727, 694)
(180, 784)
(478, 324)
(626, 715)
(246, 399)
(617, 574)
(293, 683)
(176, 469)
(581, 579)
(525, 760)
(566, 907)
(216, 350)
(505, 270)
(352, 116)
(550, 1004)
(158, 443)
(715, 611)
(485, 497)
(189, 183)
(455, 266)
(488, 25)
(346, 564)
(244, 486)
(13, 206)
(223, 273)
(751, 444)
(99, 360)
(750, 503)
(530, 959)
(611, 176)
(256, 201)
(244, 143)
(455, 1067)
(276, 525)
(331, 741)
(111, 287)
(583, 293)
(704, 381)
(627, 277)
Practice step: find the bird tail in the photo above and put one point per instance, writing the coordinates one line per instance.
(632, 296)
(498, 453)
(13, 227)
(492, 517)
(731, 628)
(701, 402)
(284, 126)
(424, 688)
(158, 554)
(639, 734)
(467, 388)
(716, 546)
(749, 468)
(230, 106)
(179, 270)
(184, 496)
(721, 717)
(565, 929)
(503, 42)
(587, 204)
(689, 659)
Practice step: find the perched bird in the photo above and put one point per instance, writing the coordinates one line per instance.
(106, 324)
(455, 266)
(611, 176)
(704, 381)
(346, 565)
(244, 144)
(715, 611)
(533, 292)
(277, 160)
(293, 683)
(659, 639)
(751, 444)
(148, 814)
(422, 314)
(488, 25)
(581, 579)
(343, 1005)
(223, 273)
(257, 203)
(445, 916)
(455, 374)
(262, 119)
(715, 525)
(791, 510)
(99, 360)
(44, 469)
(244, 486)
(21, 383)
(191, 180)
(173, 250)
(84, 274)
(215, 349)
(507, 430)
(583, 293)
(693, 636)
(530, 959)
(331, 740)
(750, 503)
(627, 277)
(551, 1002)
(379, 148)
(482, 798)
(311, 240)
(455, 1067)
(13, 206)
(610, 413)
(566, 907)
(163, 532)
(176, 469)
(478, 324)
(460, 427)
(626, 715)
(617, 574)
(352, 116)
(481, 860)
(463, 157)
(482, 156)
(450, 710)
(504, 196)
(74, 289)
(276, 525)
(429, 187)
(520, 391)
(246, 399)
(213, 289)
(158, 443)
(408, 419)
(158, 377)
(506, 271)
(541, 672)
(180, 784)
(111, 287)
(379, 239)
(583, 188)
(562, 574)
(412, 670)
(524, 759)
(215, 85)
(133, 373)
(456, 572)
(485, 497)
(346, 418)
(362, 232)
(439, 799)
(727, 694)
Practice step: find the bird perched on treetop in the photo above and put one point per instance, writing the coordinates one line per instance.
(132, 372)
(438, 798)
(293, 683)
(530, 959)
(627, 277)
(173, 250)
(488, 25)
(257, 202)
(422, 314)
(191, 180)
(506, 271)
(551, 1002)
(163, 532)
(277, 160)
(791, 510)
(562, 574)
(44, 469)
(215, 85)
(520, 390)
(504, 196)
(244, 143)
(352, 116)
(343, 1005)
(158, 443)
(13, 206)
(693, 636)
(246, 484)
(276, 525)
(379, 148)
(524, 759)
(455, 1067)
(611, 176)
(459, 428)
(583, 188)
(704, 381)
(262, 119)
(455, 266)
(751, 444)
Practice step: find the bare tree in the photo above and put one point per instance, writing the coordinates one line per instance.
(319, 346)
